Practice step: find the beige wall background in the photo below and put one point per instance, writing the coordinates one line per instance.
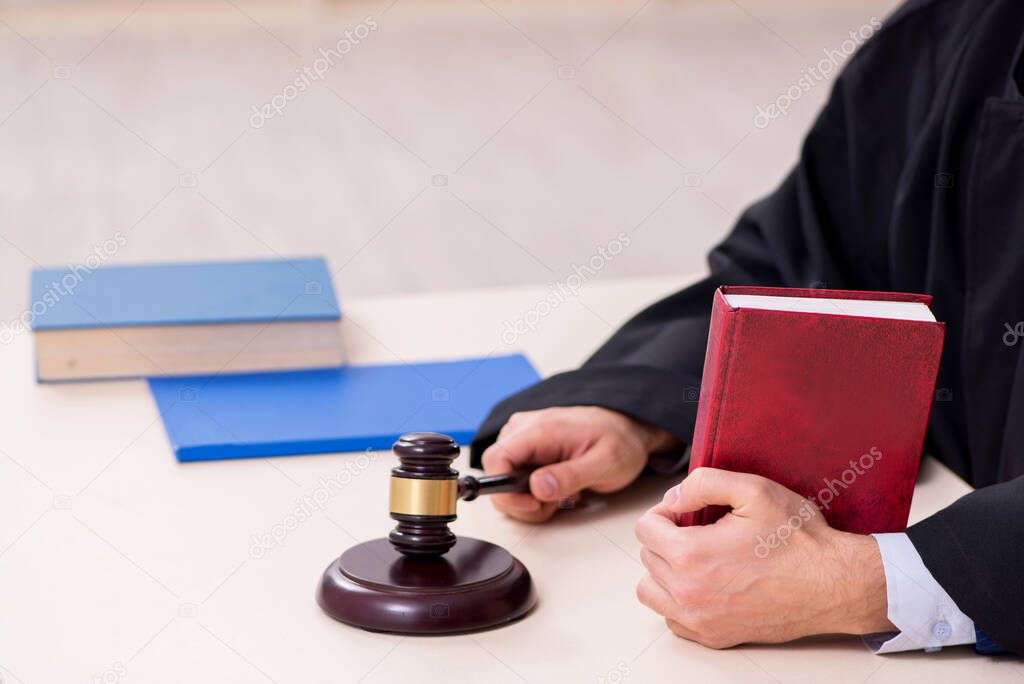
(459, 144)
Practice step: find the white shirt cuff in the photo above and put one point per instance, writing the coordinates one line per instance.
(918, 606)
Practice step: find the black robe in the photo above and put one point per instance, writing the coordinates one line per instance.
(911, 179)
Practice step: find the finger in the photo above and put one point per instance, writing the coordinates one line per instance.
(681, 630)
(654, 596)
(546, 512)
(594, 468)
(519, 506)
(613, 473)
(657, 598)
(510, 424)
(665, 511)
(537, 513)
(655, 564)
(659, 534)
(494, 460)
(520, 503)
(508, 453)
(527, 444)
(711, 486)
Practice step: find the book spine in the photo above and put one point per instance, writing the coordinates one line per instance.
(929, 339)
(712, 386)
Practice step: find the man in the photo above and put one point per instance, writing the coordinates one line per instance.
(911, 179)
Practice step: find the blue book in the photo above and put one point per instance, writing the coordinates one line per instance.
(188, 318)
(346, 409)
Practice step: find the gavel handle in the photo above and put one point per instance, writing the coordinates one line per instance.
(515, 481)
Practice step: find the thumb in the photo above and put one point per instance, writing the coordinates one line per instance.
(711, 486)
(566, 478)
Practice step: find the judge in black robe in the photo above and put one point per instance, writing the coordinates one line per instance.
(911, 179)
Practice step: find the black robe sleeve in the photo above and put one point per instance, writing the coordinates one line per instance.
(973, 549)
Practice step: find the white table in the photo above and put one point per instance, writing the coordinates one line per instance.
(117, 563)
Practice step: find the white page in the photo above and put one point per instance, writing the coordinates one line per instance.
(904, 311)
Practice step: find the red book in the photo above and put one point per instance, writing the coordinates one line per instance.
(826, 392)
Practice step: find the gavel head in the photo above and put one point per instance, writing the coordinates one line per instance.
(424, 493)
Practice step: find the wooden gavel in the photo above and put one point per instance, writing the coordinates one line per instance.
(419, 580)
(425, 490)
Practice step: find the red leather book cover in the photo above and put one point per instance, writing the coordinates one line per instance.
(832, 406)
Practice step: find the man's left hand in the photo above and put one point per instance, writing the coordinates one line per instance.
(771, 570)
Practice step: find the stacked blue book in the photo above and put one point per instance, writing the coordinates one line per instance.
(174, 319)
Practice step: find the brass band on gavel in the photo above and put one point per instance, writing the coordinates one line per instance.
(419, 496)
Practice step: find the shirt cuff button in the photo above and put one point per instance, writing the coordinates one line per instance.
(941, 630)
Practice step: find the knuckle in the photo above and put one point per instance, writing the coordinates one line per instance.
(615, 456)
(644, 593)
(520, 418)
(490, 459)
(698, 600)
(676, 628)
(680, 555)
(546, 418)
(681, 593)
(678, 595)
(702, 477)
(700, 474)
(640, 527)
(762, 488)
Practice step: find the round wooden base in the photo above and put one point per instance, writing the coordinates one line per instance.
(476, 585)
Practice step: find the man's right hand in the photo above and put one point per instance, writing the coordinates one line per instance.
(576, 448)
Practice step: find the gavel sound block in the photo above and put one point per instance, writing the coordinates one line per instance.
(422, 579)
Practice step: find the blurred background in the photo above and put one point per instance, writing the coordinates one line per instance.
(418, 144)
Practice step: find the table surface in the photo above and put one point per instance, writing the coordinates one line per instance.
(118, 563)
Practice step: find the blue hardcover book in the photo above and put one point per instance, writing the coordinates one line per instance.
(346, 409)
(189, 318)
